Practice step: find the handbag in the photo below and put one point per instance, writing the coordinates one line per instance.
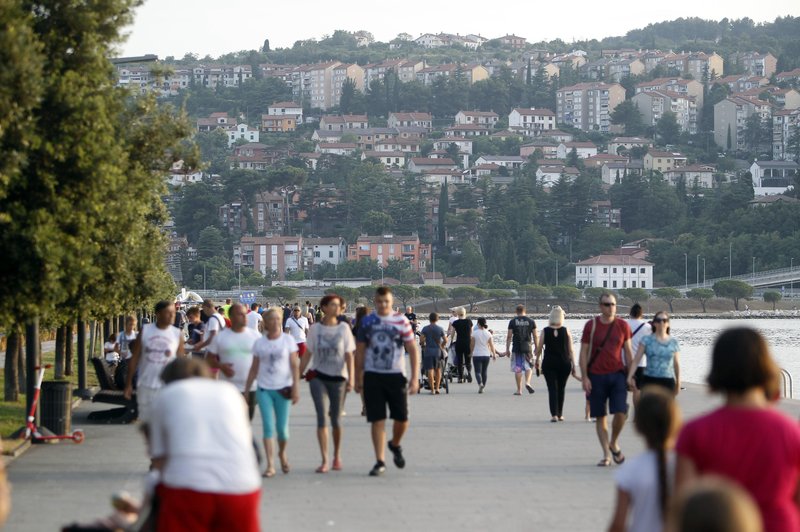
(286, 392)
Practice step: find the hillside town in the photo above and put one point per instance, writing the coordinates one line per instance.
(626, 113)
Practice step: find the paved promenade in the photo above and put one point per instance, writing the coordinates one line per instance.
(475, 462)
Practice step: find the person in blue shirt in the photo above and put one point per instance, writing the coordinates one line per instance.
(663, 362)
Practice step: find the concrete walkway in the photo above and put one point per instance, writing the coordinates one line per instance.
(475, 462)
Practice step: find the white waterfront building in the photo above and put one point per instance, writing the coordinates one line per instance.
(614, 272)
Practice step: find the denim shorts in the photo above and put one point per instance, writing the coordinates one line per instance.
(610, 389)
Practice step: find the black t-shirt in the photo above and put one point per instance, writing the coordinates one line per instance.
(412, 318)
(521, 328)
(463, 328)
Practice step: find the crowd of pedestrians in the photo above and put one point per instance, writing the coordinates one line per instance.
(742, 460)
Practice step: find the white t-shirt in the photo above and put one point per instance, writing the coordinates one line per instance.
(274, 361)
(159, 348)
(215, 323)
(253, 319)
(124, 340)
(482, 337)
(202, 429)
(297, 328)
(636, 339)
(638, 477)
(328, 345)
(235, 349)
(112, 357)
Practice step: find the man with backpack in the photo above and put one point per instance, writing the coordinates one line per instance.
(603, 371)
(215, 324)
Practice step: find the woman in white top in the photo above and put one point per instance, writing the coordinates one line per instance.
(330, 355)
(482, 348)
(644, 482)
(276, 369)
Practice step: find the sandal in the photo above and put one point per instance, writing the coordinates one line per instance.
(337, 465)
(321, 469)
(285, 468)
(605, 462)
(269, 473)
(618, 456)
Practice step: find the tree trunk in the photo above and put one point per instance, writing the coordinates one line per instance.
(22, 374)
(92, 335)
(703, 303)
(61, 332)
(11, 376)
(68, 339)
(81, 355)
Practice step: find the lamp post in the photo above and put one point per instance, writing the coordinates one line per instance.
(704, 273)
(381, 268)
(697, 270)
(686, 270)
(754, 268)
(791, 279)
(556, 272)
(730, 260)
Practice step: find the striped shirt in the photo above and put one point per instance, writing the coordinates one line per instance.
(384, 338)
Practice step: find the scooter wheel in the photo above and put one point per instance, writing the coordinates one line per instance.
(78, 436)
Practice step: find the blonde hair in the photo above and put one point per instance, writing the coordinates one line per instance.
(557, 316)
(461, 312)
(273, 311)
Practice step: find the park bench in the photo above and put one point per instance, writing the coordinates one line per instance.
(110, 394)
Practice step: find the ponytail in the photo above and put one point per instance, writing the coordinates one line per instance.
(663, 488)
(657, 420)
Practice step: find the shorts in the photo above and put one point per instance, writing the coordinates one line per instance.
(611, 389)
(382, 389)
(301, 349)
(145, 397)
(181, 509)
(666, 382)
(430, 362)
(520, 362)
(637, 377)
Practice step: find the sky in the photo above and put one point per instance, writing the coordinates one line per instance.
(214, 27)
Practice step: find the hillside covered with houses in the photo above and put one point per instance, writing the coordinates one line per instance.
(477, 157)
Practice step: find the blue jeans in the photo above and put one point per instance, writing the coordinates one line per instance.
(274, 410)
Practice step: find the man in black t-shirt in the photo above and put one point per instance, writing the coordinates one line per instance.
(412, 318)
(522, 332)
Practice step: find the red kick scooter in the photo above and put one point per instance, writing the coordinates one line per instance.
(35, 433)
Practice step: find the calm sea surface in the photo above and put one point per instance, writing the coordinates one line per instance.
(696, 338)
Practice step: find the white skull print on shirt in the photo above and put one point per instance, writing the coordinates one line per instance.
(385, 337)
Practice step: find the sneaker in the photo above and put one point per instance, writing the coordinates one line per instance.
(480, 388)
(399, 461)
(378, 469)
(529, 388)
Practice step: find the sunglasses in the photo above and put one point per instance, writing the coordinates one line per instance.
(660, 320)
(609, 304)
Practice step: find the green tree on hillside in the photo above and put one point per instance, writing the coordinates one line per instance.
(668, 129)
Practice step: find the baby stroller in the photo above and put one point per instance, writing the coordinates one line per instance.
(424, 381)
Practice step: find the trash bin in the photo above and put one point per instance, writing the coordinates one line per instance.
(56, 407)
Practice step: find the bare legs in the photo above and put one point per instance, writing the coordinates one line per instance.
(379, 437)
(601, 427)
(269, 447)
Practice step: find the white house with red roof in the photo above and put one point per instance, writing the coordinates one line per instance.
(614, 272)
(532, 121)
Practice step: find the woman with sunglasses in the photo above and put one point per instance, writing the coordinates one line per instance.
(662, 350)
